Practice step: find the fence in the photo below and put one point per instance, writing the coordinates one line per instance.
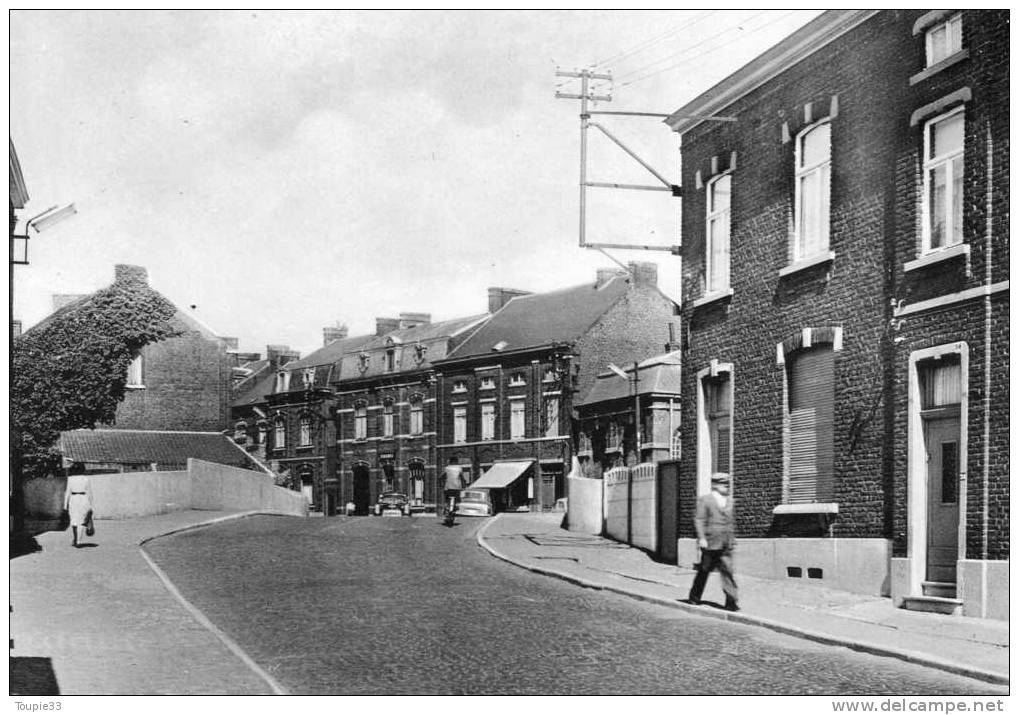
(631, 505)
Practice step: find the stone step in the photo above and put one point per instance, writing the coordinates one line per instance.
(942, 589)
(933, 604)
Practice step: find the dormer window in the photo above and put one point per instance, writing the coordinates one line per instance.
(549, 375)
(488, 383)
(282, 381)
(944, 40)
(460, 386)
(391, 360)
(309, 377)
(517, 379)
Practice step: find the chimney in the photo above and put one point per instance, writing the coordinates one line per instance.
(645, 274)
(412, 320)
(243, 358)
(604, 275)
(386, 325)
(332, 333)
(123, 273)
(280, 355)
(15, 329)
(231, 343)
(62, 299)
(498, 297)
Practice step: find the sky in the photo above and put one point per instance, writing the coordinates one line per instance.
(279, 172)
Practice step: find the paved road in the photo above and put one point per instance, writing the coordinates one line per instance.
(407, 606)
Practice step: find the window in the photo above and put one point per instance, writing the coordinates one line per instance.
(387, 419)
(517, 419)
(391, 360)
(134, 373)
(942, 185)
(361, 422)
(940, 383)
(549, 375)
(551, 417)
(944, 40)
(811, 425)
(718, 414)
(305, 433)
(417, 422)
(716, 251)
(280, 434)
(282, 381)
(813, 191)
(488, 420)
(459, 424)
(460, 386)
(260, 438)
(488, 383)
(676, 446)
(517, 379)
(309, 377)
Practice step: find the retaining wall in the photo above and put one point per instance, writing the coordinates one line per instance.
(584, 504)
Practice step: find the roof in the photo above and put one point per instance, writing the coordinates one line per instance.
(501, 475)
(538, 319)
(147, 446)
(808, 39)
(422, 333)
(253, 389)
(659, 375)
(331, 353)
(19, 192)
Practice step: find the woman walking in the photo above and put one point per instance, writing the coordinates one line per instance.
(78, 503)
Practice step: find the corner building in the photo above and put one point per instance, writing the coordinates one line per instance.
(845, 245)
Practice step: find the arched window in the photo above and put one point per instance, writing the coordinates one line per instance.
(361, 421)
(813, 191)
(716, 252)
(305, 433)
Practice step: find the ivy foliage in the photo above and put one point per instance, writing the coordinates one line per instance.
(70, 372)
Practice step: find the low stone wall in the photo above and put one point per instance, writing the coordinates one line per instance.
(121, 496)
(584, 505)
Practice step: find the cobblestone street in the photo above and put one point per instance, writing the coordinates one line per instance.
(391, 606)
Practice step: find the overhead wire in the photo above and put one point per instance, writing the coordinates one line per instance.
(650, 42)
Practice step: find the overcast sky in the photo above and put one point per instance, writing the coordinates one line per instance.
(281, 172)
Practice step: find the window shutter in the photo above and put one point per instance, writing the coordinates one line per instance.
(811, 426)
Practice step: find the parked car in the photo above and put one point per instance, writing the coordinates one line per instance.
(475, 502)
(392, 504)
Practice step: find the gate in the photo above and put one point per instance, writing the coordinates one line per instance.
(668, 511)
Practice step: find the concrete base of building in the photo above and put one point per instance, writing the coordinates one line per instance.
(982, 586)
(855, 565)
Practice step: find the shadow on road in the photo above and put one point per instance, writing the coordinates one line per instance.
(33, 676)
(23, 544)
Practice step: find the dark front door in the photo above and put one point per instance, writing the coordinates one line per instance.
(942, 441)
(668, 511)
(362, 490)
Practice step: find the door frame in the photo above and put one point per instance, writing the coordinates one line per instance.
(916, 456)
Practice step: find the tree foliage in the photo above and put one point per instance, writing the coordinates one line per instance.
(70, 372)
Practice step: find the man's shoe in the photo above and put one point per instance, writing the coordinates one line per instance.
(693, 601)
(731, 606)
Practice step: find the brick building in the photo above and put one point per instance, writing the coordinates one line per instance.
(507, 393)
(301, 437)
(385, 409)
(845, 246)
(254, 379)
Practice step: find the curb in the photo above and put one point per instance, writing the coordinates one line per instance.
(232, 646)
(742, 618)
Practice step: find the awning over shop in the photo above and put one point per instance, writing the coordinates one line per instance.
(502, 474)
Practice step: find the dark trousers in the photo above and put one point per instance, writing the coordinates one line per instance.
(711, 560)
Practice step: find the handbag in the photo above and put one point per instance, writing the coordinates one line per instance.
(90, 527)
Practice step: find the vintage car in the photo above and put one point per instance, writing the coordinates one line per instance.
(392, 504)
(475, 502)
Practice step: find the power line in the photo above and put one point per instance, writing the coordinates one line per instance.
(646, 44)
(702, 54)
(688, 48)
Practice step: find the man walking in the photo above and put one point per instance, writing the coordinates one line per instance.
(716, 527)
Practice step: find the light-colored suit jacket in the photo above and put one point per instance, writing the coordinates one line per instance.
(715, 524)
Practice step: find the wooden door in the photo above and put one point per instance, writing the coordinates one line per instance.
(942, 440)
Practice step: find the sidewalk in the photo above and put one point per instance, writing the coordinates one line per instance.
(99, 620)
(973, 647)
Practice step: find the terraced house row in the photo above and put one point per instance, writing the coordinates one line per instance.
(387, 412)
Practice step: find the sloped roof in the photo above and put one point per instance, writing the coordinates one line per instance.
(422, 333)
(659, 375)
(253, 389)
(147, 446)
(541, 318)
(330, 353)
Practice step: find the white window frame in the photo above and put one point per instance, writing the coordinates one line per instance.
(928, 165)
(517, 380)
(953, 29)
(136, 373)
(488, 383)
(360, 422)
(552, 416)
(279, 432)
(487, 420)
(460, 386)
(417, 416)
(800, 174)
(711, 217)
(304, 439)
(387, 419)
(283, 381)
(518, 419)
(459, 424)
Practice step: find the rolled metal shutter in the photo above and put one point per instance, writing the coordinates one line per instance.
(811, 426)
